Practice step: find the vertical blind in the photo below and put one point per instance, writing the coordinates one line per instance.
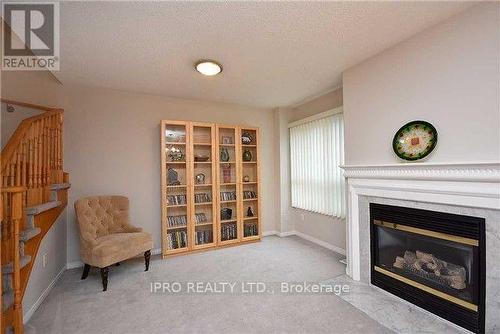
(316, 151)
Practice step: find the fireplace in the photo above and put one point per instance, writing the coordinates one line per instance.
(432, 259)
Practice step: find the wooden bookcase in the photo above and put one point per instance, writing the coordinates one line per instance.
(205, 194)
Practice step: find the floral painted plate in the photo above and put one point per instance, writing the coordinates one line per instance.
(415, 140)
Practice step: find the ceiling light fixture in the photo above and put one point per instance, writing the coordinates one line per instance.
(208, 67)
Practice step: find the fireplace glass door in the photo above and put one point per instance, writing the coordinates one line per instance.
(445, 263)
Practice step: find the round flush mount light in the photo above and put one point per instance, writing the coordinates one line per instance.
(208, 67)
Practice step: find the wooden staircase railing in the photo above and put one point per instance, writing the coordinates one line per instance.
(31, 163)
(33, 156)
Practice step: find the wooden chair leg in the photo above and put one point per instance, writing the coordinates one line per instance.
(104, 277)
(86, 270)
(147, 256)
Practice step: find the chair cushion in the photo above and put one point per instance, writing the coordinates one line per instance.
(118, 247)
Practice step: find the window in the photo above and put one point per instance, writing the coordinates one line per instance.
(316, 151)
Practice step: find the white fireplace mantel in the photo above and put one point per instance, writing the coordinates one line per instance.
(475, 185)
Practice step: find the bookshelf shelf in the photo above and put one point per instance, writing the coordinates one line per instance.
(203, 203)
(176, 227)
(216, 222)
(228, 221)
(177, 206)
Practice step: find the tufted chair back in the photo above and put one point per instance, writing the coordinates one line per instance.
(100, 216)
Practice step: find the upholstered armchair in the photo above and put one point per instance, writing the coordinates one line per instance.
(106, 235)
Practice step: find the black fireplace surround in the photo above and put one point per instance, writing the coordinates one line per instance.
(432, 259)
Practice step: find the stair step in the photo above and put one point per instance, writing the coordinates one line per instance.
(7, 300)
(37, 209)
(60, 186)
(29, 233)
(9, 267)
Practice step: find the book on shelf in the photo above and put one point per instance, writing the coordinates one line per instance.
(176, 199)
(229, 231)
(204, 237)
(177, 221)
(250, 230)
(248, 194)
(202, 198)
(177, 239)
(228, 195)
(200, 218)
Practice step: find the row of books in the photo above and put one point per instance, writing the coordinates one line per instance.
(228, 195)
(204, 237)
(176, 199)
(228, 231)
(177, 239)
(200, 218)
(250, 230)
(249, 194)
(177, 221)
(202, 198)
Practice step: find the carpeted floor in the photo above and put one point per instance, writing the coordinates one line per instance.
(130, 306)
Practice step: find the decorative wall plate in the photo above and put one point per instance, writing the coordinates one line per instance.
(415, 140)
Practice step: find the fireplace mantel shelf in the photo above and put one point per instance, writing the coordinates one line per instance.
(479, 172)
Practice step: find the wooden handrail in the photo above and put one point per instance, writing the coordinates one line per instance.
(26, 104)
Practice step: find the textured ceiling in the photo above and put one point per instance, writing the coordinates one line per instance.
(273, 53)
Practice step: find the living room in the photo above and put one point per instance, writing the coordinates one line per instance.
(251, 167)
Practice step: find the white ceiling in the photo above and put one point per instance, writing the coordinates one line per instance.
(273, 53)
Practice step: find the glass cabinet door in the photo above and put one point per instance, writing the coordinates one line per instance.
(249, 193)
(228, 175)
(204, 180)
(175, 187)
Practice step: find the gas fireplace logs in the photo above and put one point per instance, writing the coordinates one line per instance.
(428, 266)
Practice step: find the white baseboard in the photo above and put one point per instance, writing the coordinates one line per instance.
(321, 243)
(74, 264)
(28, 314)
(307, 237)
(286, 234)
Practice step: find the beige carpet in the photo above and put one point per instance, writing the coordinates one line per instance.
(129, 306)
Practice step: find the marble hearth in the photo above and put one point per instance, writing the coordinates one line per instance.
(465, 189)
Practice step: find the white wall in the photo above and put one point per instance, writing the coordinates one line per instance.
(447, 75)
(42, 278)
(112, 146)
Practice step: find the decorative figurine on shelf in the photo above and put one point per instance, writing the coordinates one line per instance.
(175, 154)
(247, 155)
(246, 178)
(173, 177)
(200, 178)
(226, 173)
(249, 212)
(246, 138)
(224, 154)
(226, 213)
